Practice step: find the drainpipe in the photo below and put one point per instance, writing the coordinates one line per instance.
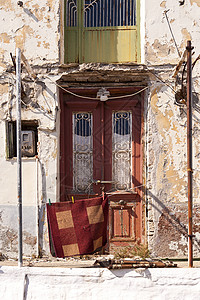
(19, 160)
(146, 168)
(189, 150)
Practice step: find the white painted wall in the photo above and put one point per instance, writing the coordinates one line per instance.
(97, 284)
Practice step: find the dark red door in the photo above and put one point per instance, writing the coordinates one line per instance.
(101, 151)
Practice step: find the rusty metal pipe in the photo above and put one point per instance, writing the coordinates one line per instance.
(19, 160)
(189, 150)
(102, 141)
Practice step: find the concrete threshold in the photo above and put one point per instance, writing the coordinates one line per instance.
(87, 262)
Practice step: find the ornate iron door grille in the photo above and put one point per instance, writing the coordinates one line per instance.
(122, 150)
(82, 152)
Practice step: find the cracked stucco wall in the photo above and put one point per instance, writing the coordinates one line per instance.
(39, 175)
(37, 29)
(34, 28)
(167, 128)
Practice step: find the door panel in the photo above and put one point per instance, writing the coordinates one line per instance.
(101, 151)
(118, 44)
(122, 216)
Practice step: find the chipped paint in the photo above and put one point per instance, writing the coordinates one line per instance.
(4, 88)
(6, 5)
(163, 4)
(186, 36)
(46, 45)
(21, 36)
(196, 2)
(4, 38)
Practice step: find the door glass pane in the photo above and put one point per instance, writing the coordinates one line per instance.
(122, 149)
(101, 13)
(82, 152)
(71, 13)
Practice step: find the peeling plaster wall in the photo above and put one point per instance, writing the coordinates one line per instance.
(166, 134)
(38, 30)
(39, 176)
(34, 28)
(184, 22)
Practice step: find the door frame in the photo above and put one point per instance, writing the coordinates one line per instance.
(75, 102)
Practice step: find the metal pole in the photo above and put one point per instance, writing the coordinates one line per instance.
(189, 150)
(165, 12)
(19, 163)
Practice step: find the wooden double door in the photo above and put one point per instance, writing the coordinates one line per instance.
(101, 152)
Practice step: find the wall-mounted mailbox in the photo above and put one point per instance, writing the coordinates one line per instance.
(28, 143)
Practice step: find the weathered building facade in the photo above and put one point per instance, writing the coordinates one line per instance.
(104, 73)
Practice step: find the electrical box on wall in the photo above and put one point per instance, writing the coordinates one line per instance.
(29, 138)
(28, 143)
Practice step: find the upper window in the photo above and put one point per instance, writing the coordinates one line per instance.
(102, 31)
(101, 13)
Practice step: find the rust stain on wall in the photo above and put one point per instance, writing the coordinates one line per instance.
(46, 45)
(6, 5)
(186, 37)
(55, 150)
(176, 182)
(170, 113)
(51, 2)
(28, 239)
(38, 38)
(38, 12)
(48, 21)
(163, 4)
(158, 52)
(159, 170)
(149, 51)
(9, 239)
(21, 36)
(4, 38)
(171, 228)
(154, 98)
(4, 89)
(175, 129)
(161, 49)
(195, 1)
(2, 60)
(163, 123)
(172, 232)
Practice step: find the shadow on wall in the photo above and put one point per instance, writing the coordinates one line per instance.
(171, 230)
(171, 234)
